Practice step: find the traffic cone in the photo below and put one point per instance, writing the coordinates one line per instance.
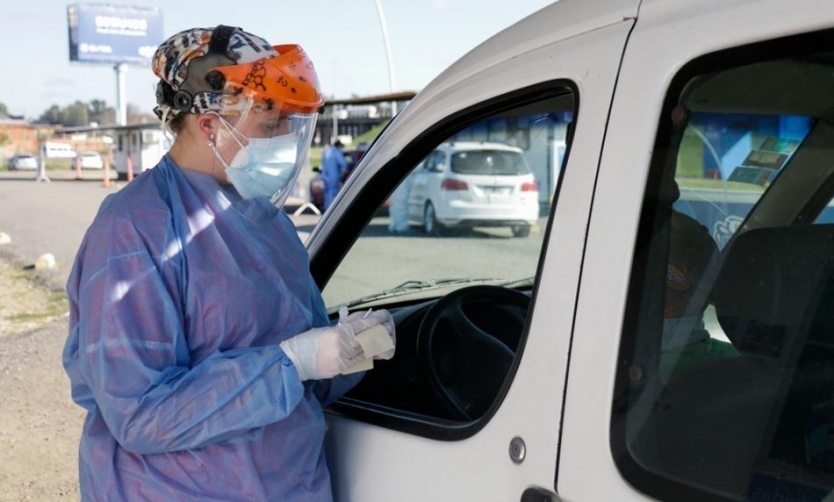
(129, 169)
(78, 175)
(106, 182)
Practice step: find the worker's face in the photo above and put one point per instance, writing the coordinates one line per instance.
(235, 132)
(264, 124)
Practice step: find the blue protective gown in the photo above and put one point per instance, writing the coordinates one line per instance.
(333, 167)
(179, 296)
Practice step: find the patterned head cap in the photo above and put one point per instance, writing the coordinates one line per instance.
(172, 59)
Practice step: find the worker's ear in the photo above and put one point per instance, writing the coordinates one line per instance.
(207, 124)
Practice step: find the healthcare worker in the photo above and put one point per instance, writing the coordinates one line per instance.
(199, 344)
(334, 165)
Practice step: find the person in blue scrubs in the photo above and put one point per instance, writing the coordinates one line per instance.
(334, 166)
(199, 343)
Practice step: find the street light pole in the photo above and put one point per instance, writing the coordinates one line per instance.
(387, 54)
(121, 94)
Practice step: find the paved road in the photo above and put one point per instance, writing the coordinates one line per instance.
(379, 261)
(52, 217)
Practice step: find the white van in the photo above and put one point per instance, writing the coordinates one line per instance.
(668, 331)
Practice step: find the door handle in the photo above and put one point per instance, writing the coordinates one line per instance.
(536, 494)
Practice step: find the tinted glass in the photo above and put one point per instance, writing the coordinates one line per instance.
(727, 386)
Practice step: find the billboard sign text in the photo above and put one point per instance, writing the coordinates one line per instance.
(113, 34)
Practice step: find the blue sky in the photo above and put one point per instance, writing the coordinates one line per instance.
(343, 38)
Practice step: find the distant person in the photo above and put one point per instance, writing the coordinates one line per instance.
(41, 176)
(334, 165)
(398, 208)
(199, 343)
(685, 340)
(691, 249)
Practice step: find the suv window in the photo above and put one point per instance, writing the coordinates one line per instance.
(490, 162)
(727, 386)
(439, 234)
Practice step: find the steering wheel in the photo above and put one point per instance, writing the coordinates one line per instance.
(466, 344)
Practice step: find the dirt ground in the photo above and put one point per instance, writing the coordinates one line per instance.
(39, 424)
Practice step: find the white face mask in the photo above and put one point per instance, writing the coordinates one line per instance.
(265, 167)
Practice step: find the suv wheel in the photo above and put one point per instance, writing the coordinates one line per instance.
(430, 224)
(521, 230)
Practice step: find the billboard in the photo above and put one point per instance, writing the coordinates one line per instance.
(113, 34)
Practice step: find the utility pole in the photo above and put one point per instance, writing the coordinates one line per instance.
(387, 54)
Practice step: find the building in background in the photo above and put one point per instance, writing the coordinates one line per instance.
(353, 117)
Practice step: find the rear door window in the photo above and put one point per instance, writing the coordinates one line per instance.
(726, 390)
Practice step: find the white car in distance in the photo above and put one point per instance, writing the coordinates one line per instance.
(23, 161)
(474, 184)
(90, 160)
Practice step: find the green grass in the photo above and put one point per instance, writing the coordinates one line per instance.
(709, 184)
(690, 157)
(52, 312)
(55, 305)
(371, 135)
(315, 155)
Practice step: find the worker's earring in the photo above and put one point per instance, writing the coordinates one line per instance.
(211, 140)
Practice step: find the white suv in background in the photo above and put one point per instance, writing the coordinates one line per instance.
(90, 160)
(474, 184)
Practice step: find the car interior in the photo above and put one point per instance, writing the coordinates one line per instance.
(444, 349)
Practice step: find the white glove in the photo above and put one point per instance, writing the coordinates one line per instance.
(326, 352)
(371, 318)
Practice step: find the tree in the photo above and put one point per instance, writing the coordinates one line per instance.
(53, 115)
(76, 115)
(136, 116)
(4, 112)
(100, 113)
(79, 114)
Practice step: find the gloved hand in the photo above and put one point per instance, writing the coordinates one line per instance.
(326, 352)
(372, 318)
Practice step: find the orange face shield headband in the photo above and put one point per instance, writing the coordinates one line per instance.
(287, 81)
(215, 82)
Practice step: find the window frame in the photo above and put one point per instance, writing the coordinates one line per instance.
(649, 483)
(349, 227)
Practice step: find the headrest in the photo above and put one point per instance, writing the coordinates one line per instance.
(775, 290)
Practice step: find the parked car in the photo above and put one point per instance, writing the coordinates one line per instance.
(467, 184)
(606, 357)
(352, 157)
(23, 161)
(90, 160)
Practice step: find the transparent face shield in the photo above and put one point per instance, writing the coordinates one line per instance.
(264, 150)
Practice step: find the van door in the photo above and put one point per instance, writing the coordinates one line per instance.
(702, 354)
(470, 407)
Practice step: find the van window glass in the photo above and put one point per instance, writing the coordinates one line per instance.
(470, 213)
(446, 220)
(727, 386)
